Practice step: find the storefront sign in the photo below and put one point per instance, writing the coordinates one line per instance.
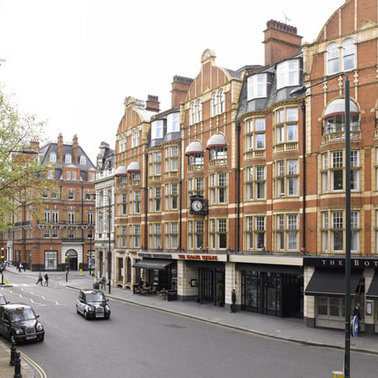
(340, 262)
(198, 257)
(155, 255)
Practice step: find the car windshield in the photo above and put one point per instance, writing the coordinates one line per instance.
(2, 300)
(22, 314)
(95, 297)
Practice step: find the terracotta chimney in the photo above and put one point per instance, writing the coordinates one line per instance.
(60, 147)
(180, 87)
(34, 145)
(152, 103)
(281, 41)
(75, 148)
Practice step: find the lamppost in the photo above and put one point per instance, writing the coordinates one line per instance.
(2, 266)
(301, 91)
(89, 255)
(67, 257)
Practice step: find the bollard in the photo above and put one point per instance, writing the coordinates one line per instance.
(13, 352)
(17, 366)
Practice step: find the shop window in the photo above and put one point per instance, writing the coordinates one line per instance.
(51, 260)
(330, 307)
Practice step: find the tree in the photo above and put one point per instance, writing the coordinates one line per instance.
(21, 173)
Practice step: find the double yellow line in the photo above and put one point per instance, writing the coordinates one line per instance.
(27, 359)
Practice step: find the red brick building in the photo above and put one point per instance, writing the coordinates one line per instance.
(63, 232)
(248, 191)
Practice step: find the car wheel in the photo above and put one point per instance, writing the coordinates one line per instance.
(86, 315)
(41, 338)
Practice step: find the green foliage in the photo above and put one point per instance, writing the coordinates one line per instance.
(21, 173)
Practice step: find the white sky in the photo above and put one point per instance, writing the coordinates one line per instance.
(73, 62)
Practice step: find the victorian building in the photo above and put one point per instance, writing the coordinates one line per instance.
(62, 234)
(241, 184)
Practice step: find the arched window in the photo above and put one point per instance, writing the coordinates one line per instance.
(68, 159)
(349, 61)
(199, 111)
(221, 101)
(214, 104)
(333, 60)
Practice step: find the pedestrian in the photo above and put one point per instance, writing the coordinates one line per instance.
(24, 266)
(19, 267)
(40, 279)
(103, 282)
(46, 279)
(357, 312)
(233, 301)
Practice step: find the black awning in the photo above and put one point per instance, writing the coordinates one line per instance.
(289, 269)
(372, 293)
(331, 283)
(152, 264)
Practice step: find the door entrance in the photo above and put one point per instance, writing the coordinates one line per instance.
(71, 259)
(211, 285)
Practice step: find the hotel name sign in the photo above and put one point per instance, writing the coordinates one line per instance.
(340, 262)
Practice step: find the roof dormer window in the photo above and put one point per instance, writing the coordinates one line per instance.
(288, 73)
(53, 157)
(68, 159)
(257, 86)
(173, 123)
(157, 129)
(83, 160)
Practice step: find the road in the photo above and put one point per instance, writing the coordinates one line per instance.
(140, 342)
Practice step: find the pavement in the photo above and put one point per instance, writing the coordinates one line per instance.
(289, 329)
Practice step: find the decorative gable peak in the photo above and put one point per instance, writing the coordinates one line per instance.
(208, 55)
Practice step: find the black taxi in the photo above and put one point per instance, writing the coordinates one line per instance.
(20, 322)
(92, 304)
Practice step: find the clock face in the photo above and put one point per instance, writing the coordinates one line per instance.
(197, 205)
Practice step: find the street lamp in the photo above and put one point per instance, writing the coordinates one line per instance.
(67, 257)
(301, 91)
(89, 255)
(2, 266)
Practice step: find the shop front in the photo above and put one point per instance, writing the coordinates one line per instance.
(271, 289)
(157, 274)
(325, 291)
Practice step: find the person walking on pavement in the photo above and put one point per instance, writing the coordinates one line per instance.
(103, 281)
(46, 279)
(19, 267)
(24, 266)
(40, 279)
(233, 301)
(357, 312)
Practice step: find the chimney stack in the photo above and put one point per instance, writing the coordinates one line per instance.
(152, 103)
(180, 87)
(75, 148)
(281, 41)
(60, 147)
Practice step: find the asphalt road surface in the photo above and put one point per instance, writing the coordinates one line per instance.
(140, 342)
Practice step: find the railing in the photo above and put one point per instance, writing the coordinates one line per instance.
(20, 224)
(254, 154)
(288, 146)
(339, 136)
(214, 163)
(195, 168)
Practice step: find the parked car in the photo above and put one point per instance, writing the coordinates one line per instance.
(3, 301)
(92, 304)
(20, 322)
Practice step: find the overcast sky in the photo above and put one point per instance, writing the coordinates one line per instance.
(73, 62)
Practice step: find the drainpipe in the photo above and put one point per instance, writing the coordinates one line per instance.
(303, 106)
(238, 189)
(180, 191)
(146, 200)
